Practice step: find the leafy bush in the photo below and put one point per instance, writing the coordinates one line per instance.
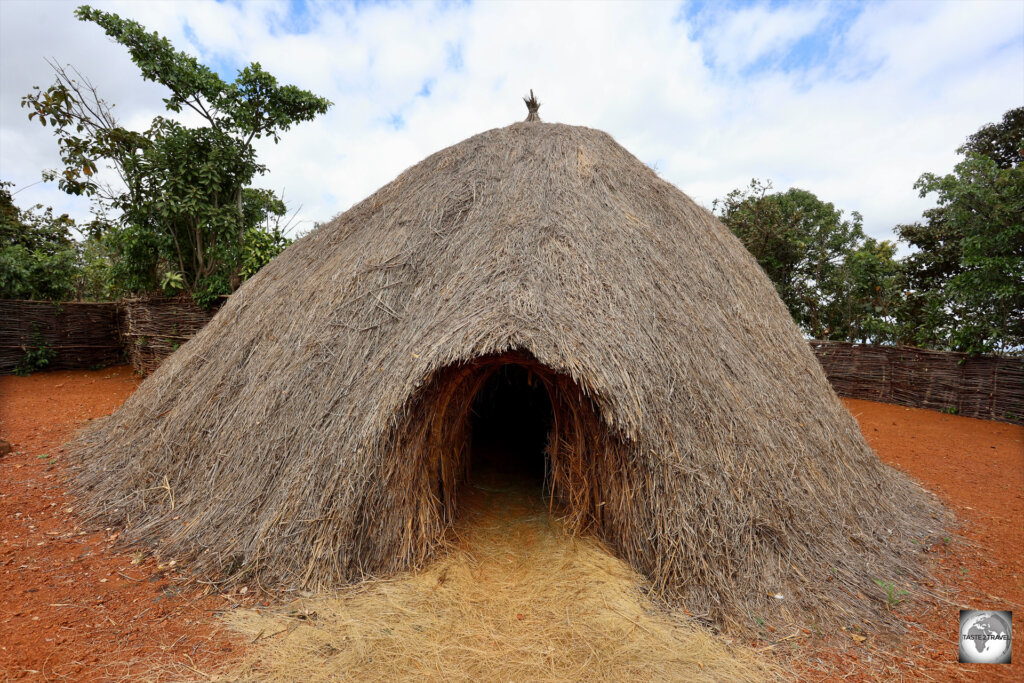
(38, 355)
(38, 257)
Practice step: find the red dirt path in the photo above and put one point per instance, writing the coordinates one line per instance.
(73, 607)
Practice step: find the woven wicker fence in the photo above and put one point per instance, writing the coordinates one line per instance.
(71, 335)
(152, 328)
(88, 335)
(989, 387)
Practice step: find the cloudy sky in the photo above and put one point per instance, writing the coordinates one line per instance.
(852, 101)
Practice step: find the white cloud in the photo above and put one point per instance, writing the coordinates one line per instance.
(741, 37)
(897, 90)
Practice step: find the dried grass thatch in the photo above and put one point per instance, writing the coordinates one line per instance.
(316, 431)
(532, 107)
(511, 598)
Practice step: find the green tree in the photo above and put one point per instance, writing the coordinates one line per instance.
(94, 281)
(184, 204)
(38, 256)
(925, 317)
(757, 216)
(802, 243)
(866, 312)
(965, 283)
(1001, 142)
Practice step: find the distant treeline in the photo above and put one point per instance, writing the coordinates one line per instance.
(961, 288)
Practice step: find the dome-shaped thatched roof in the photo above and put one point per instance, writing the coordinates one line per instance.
(316, 430)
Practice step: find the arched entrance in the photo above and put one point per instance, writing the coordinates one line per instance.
(465, 407)
(511, 419)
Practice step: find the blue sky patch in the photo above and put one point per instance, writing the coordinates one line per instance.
(822, 49)
(222, 65)
(396, 121)
(297, 20)
(453, 56)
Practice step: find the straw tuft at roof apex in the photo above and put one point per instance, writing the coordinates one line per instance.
(532, 105)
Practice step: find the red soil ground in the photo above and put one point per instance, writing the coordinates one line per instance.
(74, 607)
(977, 469)
(71, 608)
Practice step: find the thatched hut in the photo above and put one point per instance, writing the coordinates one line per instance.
(317, 430)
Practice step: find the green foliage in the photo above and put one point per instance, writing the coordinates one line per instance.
(965, 284)
(253, 106)
(261, 246)
(870, 293)
(925, 319)
(94, 278)
(38, 355)
(135, 257)
(211, 289)
(1001, 142)
(764, 223)
(836, 283)
(184, 205)
(962, 288)
(893, 595)
(38, 257)
(172, 283)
